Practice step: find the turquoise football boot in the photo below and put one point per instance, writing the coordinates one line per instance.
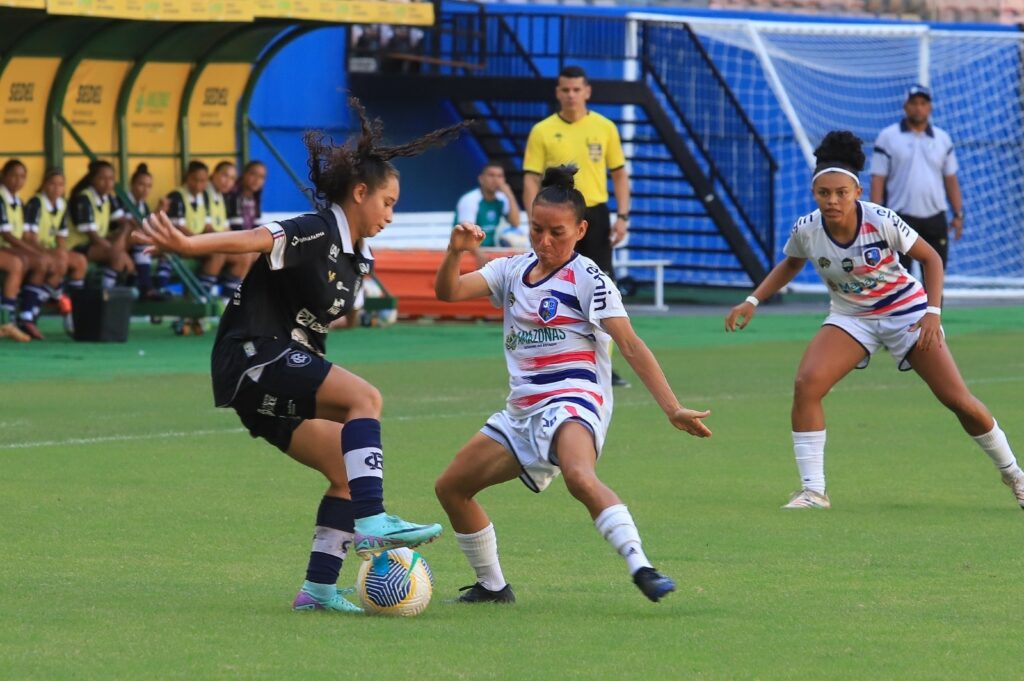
(382, 532)
(324, 597)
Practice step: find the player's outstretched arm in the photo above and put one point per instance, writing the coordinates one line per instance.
(451, 286)
(640, 357)
(159, 235)
(783, 273)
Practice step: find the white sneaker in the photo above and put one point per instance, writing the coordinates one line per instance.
(807, 498)
(1016, 483)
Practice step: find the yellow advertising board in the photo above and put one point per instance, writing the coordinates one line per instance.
(366, 12)
(151, 118)
(212, 113)
(153, 106)
(359, 12)
(155, 10)
(24, 91)
(90, 105)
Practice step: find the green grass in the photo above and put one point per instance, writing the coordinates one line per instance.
(143, 535)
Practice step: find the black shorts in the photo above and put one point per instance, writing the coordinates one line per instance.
(596, 244)
(934, 230)
(283, 396)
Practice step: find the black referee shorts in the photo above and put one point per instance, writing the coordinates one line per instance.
(596, 244)
(934, 230)
(284, 396)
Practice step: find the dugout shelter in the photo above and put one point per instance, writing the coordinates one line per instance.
(160, 82)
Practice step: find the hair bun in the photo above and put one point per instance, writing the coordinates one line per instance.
(562, 177)
(842, 147)
(142, 169)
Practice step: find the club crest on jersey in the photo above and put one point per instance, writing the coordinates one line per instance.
(823, 263)
(872, 256)
(334, 252)
(847, 265)
(331, 275)
(548, 309)
(298, 359)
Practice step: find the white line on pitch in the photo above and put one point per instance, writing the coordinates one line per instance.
(119, 438)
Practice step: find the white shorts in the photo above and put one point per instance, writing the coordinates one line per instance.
(530, 439)
(892, 333)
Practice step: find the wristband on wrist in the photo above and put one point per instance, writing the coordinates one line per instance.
(753, 301)
(623, 216)
(958, 214)
(933, 309)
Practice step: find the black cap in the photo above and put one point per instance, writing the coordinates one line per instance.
(918, 90)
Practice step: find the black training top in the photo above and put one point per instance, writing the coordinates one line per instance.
(309, 279)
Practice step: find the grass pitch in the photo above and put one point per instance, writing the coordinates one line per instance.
(144, 535)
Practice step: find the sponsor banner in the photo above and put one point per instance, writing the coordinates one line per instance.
(90, 104)
(155, 10)
(412, 13)
(24, 90)
(212, 113)
(24, 4)
(153, 105)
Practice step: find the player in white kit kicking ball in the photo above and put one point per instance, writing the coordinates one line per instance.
(561, 314)
(855, 246)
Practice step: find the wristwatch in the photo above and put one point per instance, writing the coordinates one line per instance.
(958, 214)
(623, 216)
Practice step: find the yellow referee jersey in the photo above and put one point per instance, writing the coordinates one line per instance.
(591, 143)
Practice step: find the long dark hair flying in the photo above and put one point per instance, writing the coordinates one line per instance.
(363, 158)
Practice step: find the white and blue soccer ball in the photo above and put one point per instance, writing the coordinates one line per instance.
(512, 236)
(397, 582)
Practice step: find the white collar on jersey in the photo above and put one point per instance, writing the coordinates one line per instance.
(50, 206)
(9, 198)
(346, 234)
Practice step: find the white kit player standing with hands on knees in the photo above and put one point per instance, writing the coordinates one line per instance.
(855, 246)
(561, 314)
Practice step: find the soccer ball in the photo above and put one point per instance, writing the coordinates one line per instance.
(397, 582)
(510, 236)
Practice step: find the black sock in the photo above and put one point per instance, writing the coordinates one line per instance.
(335, 525)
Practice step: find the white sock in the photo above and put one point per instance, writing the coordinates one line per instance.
(809, 450)
(617, 527)
(998, 449)
(481, 549)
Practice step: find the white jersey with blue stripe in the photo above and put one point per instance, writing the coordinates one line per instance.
(864, 276)
(555, 347)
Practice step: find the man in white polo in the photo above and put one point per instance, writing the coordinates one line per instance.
(913, 172)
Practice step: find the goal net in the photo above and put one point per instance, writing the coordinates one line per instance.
(798, 80)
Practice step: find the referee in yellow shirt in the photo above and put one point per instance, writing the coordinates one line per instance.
(591, 142)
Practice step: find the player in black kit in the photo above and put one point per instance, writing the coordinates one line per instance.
(268, 359)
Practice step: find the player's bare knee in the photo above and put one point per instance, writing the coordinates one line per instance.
(963, 404)
(442, 489)
(580, 481)
(448, 490)
(371, 400)
(806, 386)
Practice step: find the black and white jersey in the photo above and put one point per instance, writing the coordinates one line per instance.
(309, 279)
